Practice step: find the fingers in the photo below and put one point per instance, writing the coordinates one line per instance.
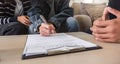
(106, 40)
(24, 20)
(105, 14)
(46, 29)
(101, 36)
(114, 12)
(110, 10)
(106, 37)
(100, 23)
(52, 29)
(98, 30)
(49, 27)
(104, 34)
(27, 17)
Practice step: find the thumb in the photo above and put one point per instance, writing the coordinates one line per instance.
(114, 12)
(105, 14)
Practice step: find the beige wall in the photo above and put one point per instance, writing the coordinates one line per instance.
(91, 1)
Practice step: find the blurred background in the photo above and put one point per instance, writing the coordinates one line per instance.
(87, 11)
(91, 1)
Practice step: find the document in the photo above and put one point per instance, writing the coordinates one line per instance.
(38, 46)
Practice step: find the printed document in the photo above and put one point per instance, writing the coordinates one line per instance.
(60, 42)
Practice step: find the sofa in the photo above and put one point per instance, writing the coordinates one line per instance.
(86, 13)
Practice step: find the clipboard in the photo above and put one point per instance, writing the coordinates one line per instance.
(41, 46)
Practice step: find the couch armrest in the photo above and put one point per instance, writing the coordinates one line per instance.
(84, 22)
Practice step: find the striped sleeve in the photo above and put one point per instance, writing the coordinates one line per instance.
(6, 12)
(5, 20)
(7, 9)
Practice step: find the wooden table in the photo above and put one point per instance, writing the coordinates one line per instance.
(11, 48)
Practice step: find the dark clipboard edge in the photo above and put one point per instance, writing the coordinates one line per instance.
(44, 55)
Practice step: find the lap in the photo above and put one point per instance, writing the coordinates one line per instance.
(13, 28)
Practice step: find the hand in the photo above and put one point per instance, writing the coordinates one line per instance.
(107, 30)
(24, 20)
(46, 29)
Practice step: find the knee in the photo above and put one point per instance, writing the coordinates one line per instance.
(13, 28)
(73, 24)
(71, 21)
(18, 28)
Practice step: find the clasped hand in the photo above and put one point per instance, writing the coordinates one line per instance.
(105, 29)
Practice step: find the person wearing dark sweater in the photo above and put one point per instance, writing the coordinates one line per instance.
(107, 28)
(12, 18)
(58, 15)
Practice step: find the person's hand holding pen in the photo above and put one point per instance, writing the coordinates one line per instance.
(105, 29)
(46, 28)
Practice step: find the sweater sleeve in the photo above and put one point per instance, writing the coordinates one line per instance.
(5, 20)
(64, 11)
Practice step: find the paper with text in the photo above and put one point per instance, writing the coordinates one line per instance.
(37, 44)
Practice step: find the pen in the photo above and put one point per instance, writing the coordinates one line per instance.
(43, 19)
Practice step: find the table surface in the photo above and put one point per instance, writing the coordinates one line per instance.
(11, 49)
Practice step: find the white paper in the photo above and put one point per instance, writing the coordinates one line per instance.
(37, 44)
